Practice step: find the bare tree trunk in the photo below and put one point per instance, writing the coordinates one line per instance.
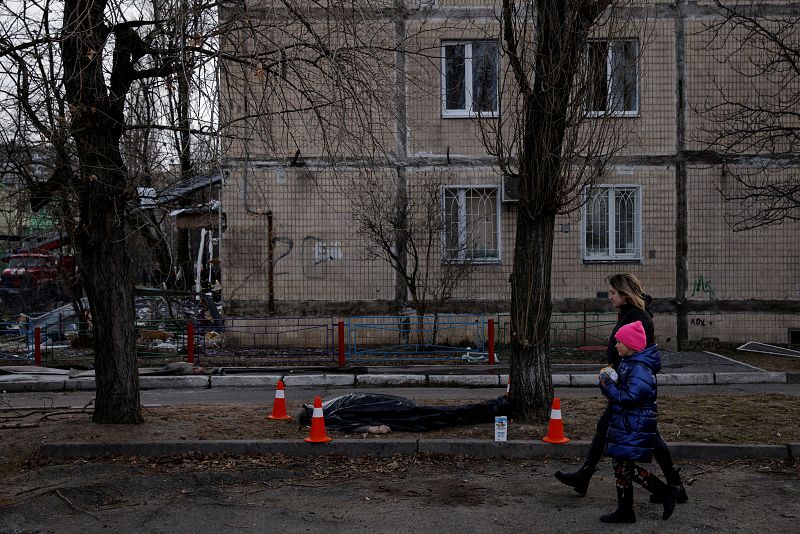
(531, 305)
(104, 197)
(107, 265)
(107, 271)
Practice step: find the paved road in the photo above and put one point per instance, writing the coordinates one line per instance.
(421, 394)
(396, 495)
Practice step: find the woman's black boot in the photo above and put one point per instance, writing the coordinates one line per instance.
(666, 494)
(624, 512)
(579, 480)
(673, 479)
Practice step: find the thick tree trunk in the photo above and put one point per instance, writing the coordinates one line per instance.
(106, 265)
(531, 305)
(104, 199)
(107, 270)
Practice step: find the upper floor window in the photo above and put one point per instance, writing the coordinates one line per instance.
(613, 78)
(471, 225)
(470, 78)
(612, 226)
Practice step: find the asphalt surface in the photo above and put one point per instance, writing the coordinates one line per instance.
(266, 395)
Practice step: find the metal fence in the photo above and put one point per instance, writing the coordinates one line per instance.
(568, 331)
(299, 341)
(15, 346)
(261, 341)
(415, 339)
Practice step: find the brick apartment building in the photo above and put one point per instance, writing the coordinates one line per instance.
(292, 245)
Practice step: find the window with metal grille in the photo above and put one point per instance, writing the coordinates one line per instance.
(612, 223)
(471, 224)
(470, 79)
(613, 76)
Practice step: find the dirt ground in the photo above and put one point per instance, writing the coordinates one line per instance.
(772, 419)
(402, 494)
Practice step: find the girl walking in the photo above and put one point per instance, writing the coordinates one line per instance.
(631, 392)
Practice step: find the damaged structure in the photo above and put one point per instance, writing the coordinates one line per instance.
(297, 240)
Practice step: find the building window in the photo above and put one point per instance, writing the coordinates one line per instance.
(471, 224)
(613, 76)
(470, 79)
(612, 226)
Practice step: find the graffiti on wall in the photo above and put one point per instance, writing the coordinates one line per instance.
(317, 254)
(701, 322)
(702, 287)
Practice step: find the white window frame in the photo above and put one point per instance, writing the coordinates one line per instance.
(468, 111)
(462, 221)
(612, 255)
(609, 75)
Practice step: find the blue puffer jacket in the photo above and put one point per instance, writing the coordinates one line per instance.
(632, 427)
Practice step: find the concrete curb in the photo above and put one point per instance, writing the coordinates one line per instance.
(38, 384)
(475, 381)
(173, 382)
(241, 381)
(319, 380)
(391, 380)
(686, 379)
(521, 449)
(750, 378)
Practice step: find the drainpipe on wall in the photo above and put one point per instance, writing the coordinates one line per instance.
(681, 181)
(270, 264)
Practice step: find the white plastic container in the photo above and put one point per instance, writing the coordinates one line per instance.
(501, 428)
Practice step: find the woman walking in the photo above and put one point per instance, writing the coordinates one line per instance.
(632, 304)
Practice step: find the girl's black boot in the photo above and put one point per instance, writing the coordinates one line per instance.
(624, 512)
(579, 480)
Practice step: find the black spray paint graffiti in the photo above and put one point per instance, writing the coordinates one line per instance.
(702, 285)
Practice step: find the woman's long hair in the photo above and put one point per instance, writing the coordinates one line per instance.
(630, 287)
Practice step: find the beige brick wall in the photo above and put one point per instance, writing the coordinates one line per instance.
(318, 255)
(572, 278)
(719, 71)
(763, 263)
(312, 207)
(738, 328)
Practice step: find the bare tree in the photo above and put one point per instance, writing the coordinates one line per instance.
(755, 133)
(429, 272)
(547, 143)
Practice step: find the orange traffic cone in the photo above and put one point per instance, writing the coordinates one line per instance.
(279, 407)
(555, 429)
(317, 434)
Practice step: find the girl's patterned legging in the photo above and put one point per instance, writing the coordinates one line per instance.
(627, 471)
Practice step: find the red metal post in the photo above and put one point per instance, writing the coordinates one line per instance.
(491, 342)
(190, 342)
(341, 343)
(37, 346)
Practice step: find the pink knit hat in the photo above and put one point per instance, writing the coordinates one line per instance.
(633, 336)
